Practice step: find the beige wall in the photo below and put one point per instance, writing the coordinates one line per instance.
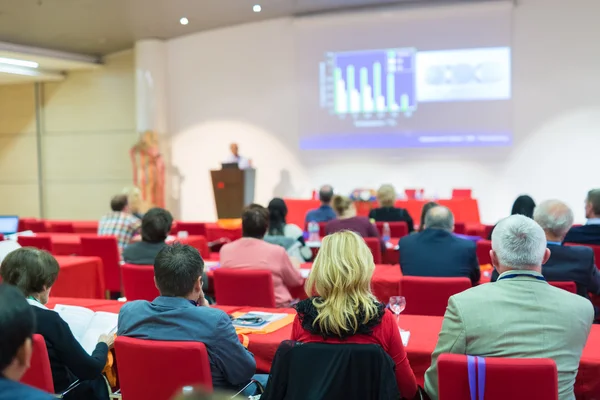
(88, 126)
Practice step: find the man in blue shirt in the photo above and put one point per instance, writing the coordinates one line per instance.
(325, 212)
(181, 313)
(17, 324)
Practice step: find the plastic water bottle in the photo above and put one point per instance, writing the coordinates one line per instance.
(313, 232)
(386, 234)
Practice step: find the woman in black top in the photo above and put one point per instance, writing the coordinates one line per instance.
(523, 205)
(34, 272)
(386, 196)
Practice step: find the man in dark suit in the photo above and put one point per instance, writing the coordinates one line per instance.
(566, 263)
(436, 252)
(590, 232)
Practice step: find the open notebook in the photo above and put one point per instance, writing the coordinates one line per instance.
(87, 325)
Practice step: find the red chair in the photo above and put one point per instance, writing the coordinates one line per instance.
(157, 370)
(397, 229)
(322, 230)
(107, 249)
(461, 193)
(244, 287)
(568, 286)
(496, 378)
(483, 251)
(192, 228)
(42, 243)
(36, 226)
(596, 249)
(411, 194)
(62, 227)
(138, 282)
(429, 296)
(487, 231)
(39, 374)
(375, 247)
(460, 228)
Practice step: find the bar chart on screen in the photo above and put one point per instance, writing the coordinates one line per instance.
(372, 82)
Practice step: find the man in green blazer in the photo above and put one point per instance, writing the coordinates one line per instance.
(520, 315)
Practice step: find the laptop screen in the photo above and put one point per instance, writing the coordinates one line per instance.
(9, 224)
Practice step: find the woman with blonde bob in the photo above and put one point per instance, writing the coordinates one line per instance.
(387, 212)
(344, 310)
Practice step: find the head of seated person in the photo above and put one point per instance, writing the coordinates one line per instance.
(277, 213)
(341, 280)
(344, 207)
(255, 221)
(156, 225)
(386, 196)
(178, 272)
(439, 217)
(426, 207)
(32, 271)
(523, 205)
(555, 218)
(120, 203)
(326, 194)
(17, 324)
(592, 204)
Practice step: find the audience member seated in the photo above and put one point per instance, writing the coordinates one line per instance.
(523, 205)
(119, 223)
(252, 252)
(34, 272)
(279, 229)
(386, 196)
(325, 212)
(347, 219)
(590, 232)
(351, 315)
(436, 252)
(521, 315)
(156, 225)
(17, 324)
(181, 313)
(566, 263)
(426, 207)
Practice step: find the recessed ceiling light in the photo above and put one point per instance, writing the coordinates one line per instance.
(20, 63)
(184, 21)
(257, 8)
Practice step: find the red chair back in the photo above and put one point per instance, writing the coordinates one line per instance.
(487, 231)
(411, 194)
(596, 249)
(244, 287)
(42, 243)
(483, 251)
(568, 286)
(429, 296)
(39, 374)
(138, 282)
(62, 227)
(35, 225)
(505, 378)
(157, 370)
(460, 228)
(461, 193)
(375, 247)
(107, 249)
(322, 231)
(397, 229)
(192, 228)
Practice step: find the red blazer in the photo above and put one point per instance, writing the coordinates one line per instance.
(387, 335)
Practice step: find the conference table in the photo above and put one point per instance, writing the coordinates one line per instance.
(424, 333)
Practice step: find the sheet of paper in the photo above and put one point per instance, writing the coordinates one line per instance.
(78, 318)
(267, 318)
(405, 335)
(102, 323)
(304, 272)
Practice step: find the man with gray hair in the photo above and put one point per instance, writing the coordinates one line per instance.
(566, 263)
(521, 315)
(436, 252)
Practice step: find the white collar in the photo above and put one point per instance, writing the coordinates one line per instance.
(593, 221)
(36, 303)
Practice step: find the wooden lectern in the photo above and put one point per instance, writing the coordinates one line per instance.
(233, 189)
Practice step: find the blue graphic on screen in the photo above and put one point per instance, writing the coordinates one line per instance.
(377, 81)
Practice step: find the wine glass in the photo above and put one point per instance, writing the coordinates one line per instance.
(397, 305)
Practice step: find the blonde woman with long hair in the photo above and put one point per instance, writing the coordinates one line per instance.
(342, 309)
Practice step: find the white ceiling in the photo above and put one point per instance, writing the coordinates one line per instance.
(99, 27)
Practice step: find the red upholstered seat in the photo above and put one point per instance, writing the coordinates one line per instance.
(375, 247)
(39, 374)
(322, 231)
(42, 243)
(593, 247)
(460, 228)
(461, 193)
(411, 194)
(429, 296)
(244, 287)
(107, 249)
(568, 286)
(192, 228)
(138, 282)
(35, 225)
(483, 251)
(505, 378)
(157, 370)
(397, 229)
(62, 227)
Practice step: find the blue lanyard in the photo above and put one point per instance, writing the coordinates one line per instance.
(539, 278)
(476, 371)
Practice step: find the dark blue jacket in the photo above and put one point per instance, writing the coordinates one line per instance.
(438, 253)
(585, 234)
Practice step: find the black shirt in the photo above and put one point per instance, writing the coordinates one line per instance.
(68, 360)
(392, 214)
